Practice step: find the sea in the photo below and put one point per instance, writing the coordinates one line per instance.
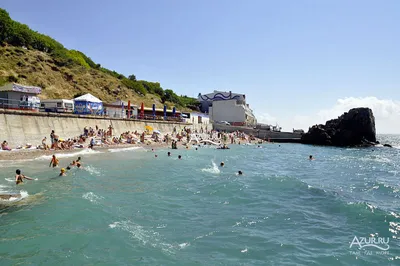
(129, 207)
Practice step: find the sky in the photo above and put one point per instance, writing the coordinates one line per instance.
(299, 62)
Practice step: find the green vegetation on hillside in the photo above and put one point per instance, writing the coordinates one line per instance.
(75, 71)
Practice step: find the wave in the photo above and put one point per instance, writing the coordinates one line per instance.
(69, 155)
(90, 196)
(126, 149)
(213, 169)
(145, 236)
(92, 170)
(22, 195)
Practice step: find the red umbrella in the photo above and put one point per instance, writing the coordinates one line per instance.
(142, 111)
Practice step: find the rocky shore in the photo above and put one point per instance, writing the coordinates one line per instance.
(355, 128)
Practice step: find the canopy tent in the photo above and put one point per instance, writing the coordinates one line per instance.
(88, 104)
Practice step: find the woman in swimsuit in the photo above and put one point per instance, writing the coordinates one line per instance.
(19, 177)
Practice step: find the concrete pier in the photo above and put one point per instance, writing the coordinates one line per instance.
(262, 133)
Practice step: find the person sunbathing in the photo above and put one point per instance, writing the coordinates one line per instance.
(4, 146)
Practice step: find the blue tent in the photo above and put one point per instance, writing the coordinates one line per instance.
(88, 105)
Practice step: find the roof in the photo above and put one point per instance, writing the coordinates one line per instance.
(21, 88)
(160, 110)
(88, 98)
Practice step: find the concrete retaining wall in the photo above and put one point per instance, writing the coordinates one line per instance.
(19, 127)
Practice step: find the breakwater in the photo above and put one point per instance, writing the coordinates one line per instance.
(262, 133)
(21, 127)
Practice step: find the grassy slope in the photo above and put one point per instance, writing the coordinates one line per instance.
(36, 68)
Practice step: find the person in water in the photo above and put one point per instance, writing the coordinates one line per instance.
(79, 159)
(222, 164)
(54, 161)
(240, 172)
(20, 177)
(62, 172)
(179, 157)
(78, 164)
(311, 157)
(169, 154)
(73, 163)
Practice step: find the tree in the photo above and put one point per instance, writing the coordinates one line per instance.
(132, 77)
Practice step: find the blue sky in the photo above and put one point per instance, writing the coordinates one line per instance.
(293, 59)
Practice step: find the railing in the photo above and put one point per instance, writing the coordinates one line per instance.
(20, 105)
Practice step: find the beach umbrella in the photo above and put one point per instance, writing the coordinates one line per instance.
(173, 111)
(165, 112)
(129, 109)
(157, 132)
(154, 111)
(142, 111)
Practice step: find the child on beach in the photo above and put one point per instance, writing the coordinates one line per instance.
(54, 161)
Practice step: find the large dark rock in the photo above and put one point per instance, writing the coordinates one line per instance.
(354, 128)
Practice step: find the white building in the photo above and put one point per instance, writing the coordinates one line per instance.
(199, 120)
(229, 107)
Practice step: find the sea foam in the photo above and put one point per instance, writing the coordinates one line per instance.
(69, 155)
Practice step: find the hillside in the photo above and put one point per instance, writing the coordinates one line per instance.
(31, 58)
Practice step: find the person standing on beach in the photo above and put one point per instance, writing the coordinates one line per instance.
(19, 177)
(54, 161)
(52, 134)
(44, 143)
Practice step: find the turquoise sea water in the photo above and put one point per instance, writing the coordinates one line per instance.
(130, 208)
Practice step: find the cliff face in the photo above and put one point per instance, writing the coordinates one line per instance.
(354, 128)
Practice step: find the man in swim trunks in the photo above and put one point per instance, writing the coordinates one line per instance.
(54, 161)
(19, 177)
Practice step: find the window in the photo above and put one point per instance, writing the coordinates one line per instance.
(68, 105)
(59, 105)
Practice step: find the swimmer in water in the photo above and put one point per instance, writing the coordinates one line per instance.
(155, 155)
(73, 163)
(54, 161)
(179, 157)
(62, 172)
(78, 164)
(222, 164)
(311, 157)
(19, 177)
(169, 154)
(240, 172)
(79, 159)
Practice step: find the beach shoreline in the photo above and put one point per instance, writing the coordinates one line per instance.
(28, 154)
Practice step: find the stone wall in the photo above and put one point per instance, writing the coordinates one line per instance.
(19, 127)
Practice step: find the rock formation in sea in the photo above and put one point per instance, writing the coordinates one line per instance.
(354, 128)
